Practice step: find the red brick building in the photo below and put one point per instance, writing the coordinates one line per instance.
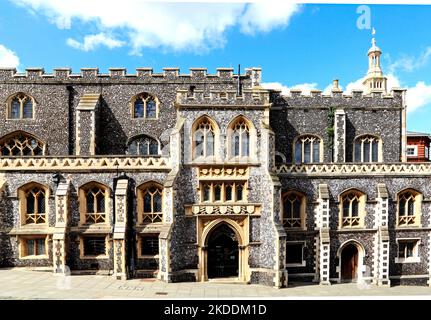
(418, 146)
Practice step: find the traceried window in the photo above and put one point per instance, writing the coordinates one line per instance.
(94, 246)
(367, 149)
(240, 139)
(33, 199)
(19, 144)
(352, 206)
(145, 106)
(203, 138)
(143, 146)
(94, 203)
(150, 197)
(409, 208)
(293, 210)
(307, 149)
(33, 247)
(21, 107)
(223, 192)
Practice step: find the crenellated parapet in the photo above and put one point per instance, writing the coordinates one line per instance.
(252, 98)
(337, 98)
(251, 75)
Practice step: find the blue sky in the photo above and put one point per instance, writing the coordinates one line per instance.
(304, 46)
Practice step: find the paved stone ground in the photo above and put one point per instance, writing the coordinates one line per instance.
(25, 284)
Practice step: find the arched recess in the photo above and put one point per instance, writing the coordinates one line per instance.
(241, 139)
(240, 233)
(350, 262)
(20, 144)
(205, 135)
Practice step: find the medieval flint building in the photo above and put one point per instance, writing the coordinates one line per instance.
(198, 177)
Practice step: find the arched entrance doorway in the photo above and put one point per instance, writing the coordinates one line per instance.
(349, 263)
(223, 255)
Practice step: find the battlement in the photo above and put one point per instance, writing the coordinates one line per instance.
(224, 98)
(120, 74)
(357, 98)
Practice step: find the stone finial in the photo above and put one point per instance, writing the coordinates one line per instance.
(335, 84)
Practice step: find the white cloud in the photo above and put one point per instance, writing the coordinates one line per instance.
(276, 86)
(305, 87)
(177, 26)
(8, 58)
(409, 63)
(91, 42)
(264, 17)
(418, 96)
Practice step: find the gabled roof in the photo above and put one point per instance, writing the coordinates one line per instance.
(418, 134)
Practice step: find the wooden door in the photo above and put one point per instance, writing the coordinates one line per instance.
(349, 263)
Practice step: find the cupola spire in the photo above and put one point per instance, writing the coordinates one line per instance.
(374, 80)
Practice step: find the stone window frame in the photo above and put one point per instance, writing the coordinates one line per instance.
(22, 96)
(142, 95)
(303, 263)
(15, 135)
(139, 243)
(23, 191)
(352, 222)
(143, 136)
(407, 220)
(153, 216)
(216, 145)
(223, 186)
(304, 137)
(415, 251)
(83, 214)
(302, 213)
(23, 249)
(82, 254)
(368, 136)
(252, 140)
(415, 150)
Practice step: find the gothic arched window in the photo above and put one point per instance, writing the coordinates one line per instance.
(409, 208)
(94, 206)
(150, 208)
(21, 106)
(145, 106)
(367, 149)
(143, 145)
(204, 138)
(352, 209)
(307, 149)
(19, 143)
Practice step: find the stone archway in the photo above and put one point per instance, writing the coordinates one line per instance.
(350, 255)
(223, 253)
(223, 249)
